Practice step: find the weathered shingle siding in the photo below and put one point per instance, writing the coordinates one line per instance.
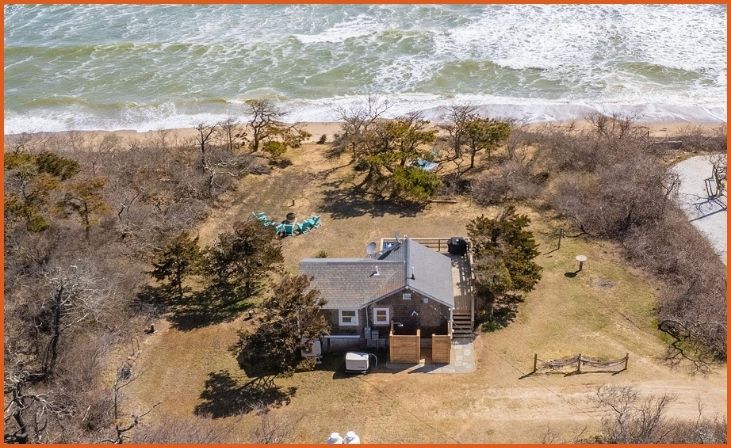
(337, 329)
(432, 316)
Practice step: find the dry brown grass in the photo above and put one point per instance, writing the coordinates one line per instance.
(604, 311)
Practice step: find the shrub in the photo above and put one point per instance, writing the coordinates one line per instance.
(322, 140)
(510, 180)
(415, 183)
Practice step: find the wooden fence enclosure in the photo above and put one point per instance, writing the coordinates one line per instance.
(405, 348)
(441, 348)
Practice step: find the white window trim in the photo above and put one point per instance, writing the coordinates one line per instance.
(355, 322)
(388, 316)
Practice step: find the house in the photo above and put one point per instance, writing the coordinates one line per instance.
(407, 289)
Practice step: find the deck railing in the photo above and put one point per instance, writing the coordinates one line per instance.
(440, 244)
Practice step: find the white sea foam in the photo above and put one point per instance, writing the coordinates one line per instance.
(145, 67)
(432, 107)
(361, 26)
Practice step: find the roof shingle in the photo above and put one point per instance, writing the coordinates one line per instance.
(353, 282)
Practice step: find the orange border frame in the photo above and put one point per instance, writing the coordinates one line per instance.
(325, 2)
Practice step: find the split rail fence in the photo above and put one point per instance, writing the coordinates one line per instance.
(579, 364)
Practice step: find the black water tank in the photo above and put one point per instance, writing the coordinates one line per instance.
(457, 245)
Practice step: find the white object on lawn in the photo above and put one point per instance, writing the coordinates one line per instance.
(351, 437)
(335, 439)
(356, 362)
(581, 259)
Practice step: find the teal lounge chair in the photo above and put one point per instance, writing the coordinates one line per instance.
(263, 218)
(284, 230)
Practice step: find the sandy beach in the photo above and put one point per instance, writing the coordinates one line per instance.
(178, 136)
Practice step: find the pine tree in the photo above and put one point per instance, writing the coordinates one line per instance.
(30, 181)
(291, 319)
(239, 262)
(176, 263)
(504, 251)
(387, 149)
(484, 134)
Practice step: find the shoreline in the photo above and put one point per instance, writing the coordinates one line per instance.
(150, 120)
(330, 128)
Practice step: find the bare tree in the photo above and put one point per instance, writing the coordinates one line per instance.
(356, 120)
(718, 176)
(125, 422)
(631, 420)
(233, 135)
(205, 132)
(274, 430)
(617, 126)
(457, 118)
(188, 430)
(161, 136)
(28, 413)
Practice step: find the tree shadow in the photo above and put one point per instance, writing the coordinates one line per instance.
(158, 296)
(197, 314)
(503, 313)
(351, 202)
(199, 309)
(224, 396)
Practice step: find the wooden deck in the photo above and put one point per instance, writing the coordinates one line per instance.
(462, 284)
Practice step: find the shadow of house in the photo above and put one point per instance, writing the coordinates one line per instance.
(224, 396)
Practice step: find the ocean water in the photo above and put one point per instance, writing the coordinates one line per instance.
(149, 67)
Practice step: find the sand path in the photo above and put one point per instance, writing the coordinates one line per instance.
(707, 215)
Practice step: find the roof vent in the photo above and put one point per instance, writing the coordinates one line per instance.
(375, 272)
(413, 276)
(371, 249)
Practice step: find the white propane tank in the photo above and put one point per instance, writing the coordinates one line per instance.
(351, 437)
(335, 439)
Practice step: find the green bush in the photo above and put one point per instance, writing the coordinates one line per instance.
(415, 183)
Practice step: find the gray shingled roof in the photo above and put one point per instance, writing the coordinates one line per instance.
(351, 283)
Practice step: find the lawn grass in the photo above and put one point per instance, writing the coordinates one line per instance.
(604, 311)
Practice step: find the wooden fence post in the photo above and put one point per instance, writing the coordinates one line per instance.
(626, 361)
(578, 364)
(535, 362)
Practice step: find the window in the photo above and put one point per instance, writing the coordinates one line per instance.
(381, 316)
(348, 318)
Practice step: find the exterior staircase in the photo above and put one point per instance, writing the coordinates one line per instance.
(461, 325)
